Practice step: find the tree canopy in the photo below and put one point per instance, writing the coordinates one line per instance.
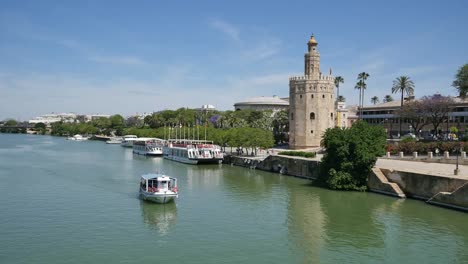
(461, 80)
(350, 155)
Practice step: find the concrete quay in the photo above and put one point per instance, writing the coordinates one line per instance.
(434, 183)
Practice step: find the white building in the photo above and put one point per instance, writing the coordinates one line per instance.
(52, 118)
(262, 103)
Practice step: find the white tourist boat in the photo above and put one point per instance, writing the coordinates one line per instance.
(115, 140)
(193, 151)
(77, 137)
(158, 188)
(128, 141)
(148, 146)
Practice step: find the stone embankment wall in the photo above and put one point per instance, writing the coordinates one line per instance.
(297, 167)
(440, 190)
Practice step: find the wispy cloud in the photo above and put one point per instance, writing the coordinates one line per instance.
(228, 29)
(263, 49)
(118, 60)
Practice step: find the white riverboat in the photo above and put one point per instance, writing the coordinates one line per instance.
(77, 137)
(193, 151)
(148, 146)
(158, 188)
(128, 141)
(115, 140)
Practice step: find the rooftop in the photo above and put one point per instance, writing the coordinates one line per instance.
(265, 100)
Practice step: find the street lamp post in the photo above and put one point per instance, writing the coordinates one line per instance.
(457, 171)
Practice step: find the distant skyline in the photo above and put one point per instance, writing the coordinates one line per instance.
(128, 57)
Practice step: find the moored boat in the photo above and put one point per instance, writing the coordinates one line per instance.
(77, 137)
(193, 151)
(158, 188)
(148, 146)
(128, 141)
(115, 140)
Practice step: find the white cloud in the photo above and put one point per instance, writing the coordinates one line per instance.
(118, 60)
(226, 28)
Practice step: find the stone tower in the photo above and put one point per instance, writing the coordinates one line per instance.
(311, 102)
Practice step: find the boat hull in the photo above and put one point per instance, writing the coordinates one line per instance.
(193, 161)
(148, 153)
(160, 198)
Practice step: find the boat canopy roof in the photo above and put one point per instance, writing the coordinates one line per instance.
(191, 141)
(149, 138)
(156, 176)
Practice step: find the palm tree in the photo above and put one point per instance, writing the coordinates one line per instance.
(387, 98)
(338, 80)
(403, 84)
(341, 98)
(361, 85)
(374, 100)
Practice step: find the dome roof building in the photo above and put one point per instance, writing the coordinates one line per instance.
(273, 103)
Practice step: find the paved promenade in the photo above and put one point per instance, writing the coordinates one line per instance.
(440, 169)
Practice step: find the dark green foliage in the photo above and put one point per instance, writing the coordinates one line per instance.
(424, 147)
(461, 80)
(298, 154)
(350, 155)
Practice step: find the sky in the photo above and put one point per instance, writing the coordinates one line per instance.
(129, 57)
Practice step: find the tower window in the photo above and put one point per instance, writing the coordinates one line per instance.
(292, 116)
(312, 116)
(331, 115)
(312, 96)
(311, 131)
(300, 96)
(331, 96)
(323, 96)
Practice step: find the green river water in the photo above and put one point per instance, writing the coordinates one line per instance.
(77, 202)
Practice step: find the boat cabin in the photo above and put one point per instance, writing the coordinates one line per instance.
(157, 182)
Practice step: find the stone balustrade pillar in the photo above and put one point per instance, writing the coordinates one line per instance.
(415, 155)
(430, 155)
(446, 155)
(388, 155)
(401, 155)
(463, 154)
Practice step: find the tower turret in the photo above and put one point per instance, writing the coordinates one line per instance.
(312, 59)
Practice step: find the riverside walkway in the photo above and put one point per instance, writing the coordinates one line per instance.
(436, 168)
(439, 169)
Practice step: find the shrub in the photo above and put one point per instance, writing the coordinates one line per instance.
(298, 154)
(350, 155)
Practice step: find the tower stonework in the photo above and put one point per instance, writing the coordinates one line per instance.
(311, 102)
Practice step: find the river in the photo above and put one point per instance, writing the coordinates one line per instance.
(77, 202)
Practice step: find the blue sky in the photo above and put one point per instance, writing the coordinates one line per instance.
(132, 57)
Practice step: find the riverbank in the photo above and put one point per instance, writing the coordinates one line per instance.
(431, 182)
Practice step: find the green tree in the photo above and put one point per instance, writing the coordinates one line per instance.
(281, 126)
(415, 114)
(437, 109)
(461, 81)
(39, 125)
(341, 98)
(361, 86)
(374, 100)
(387, 98)
(116, 121)
(11, 122)
(338, 80)
(350, 155)
(403, 84)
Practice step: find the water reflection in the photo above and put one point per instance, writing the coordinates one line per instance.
(160, 217)
(306, 222)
